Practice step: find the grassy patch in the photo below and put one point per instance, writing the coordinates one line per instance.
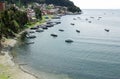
(39, 22)
(2, 67)
(4, 76)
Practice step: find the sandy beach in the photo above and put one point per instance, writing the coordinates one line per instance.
(8, 69)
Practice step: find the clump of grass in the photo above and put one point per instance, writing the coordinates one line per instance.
(32, 24)
(4, 76)
(3, 73)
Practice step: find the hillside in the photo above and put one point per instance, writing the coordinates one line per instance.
(66, 3)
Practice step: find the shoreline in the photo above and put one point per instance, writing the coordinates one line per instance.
(9, 67)
(17, 70)
(7, 60)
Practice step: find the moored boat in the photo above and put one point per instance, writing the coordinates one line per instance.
(69, 41)
(61, 30)
(43, 27)
(72, 24)
(34, 28)
(39, 30)
(30, 43)
(90, 21)
(30, 36)
(58, 22)
(78, 31)
(107, 30)
(54, 35)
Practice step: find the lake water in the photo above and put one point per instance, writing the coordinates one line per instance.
(94, 54)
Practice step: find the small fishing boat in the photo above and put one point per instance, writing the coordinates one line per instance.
(30, 36)
(49, 25)
(39, 30)
(86, 19)
(107, 30)
(69, 41)
(100, 17)
(34, 28)
(58, 22)
(90, 21)
(49, 22)
(92, 17)
(74, 18)
(31, 31)
(54, 35)
(61, 30)
(56, 17)
(72, 24)
(44, 27)
(78, 31)
(30, 43)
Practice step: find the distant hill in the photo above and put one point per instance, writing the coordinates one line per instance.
(66, 3)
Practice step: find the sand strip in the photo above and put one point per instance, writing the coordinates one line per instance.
(8, 67)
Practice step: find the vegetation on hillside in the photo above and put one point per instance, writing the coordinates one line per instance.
(38, 13)
(66, 3)
(12, 21)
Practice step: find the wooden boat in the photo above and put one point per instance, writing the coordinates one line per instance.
(99, 17)
(61, 30)
(79, 18)
(30, 43)
(72, 24)
(49, 25)
(31, 31)
(49, 22)
(107, 30)
(91, 17)
(54, 35)
(44, 27)
(78, 31)
(30, 36)
(39, 30)
(86, 19)
(56, 17)
(34, 28)
(74, 18)
(69, 41)
(90, 21)
(58, 22)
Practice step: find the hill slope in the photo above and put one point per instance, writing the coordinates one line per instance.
(66, 3)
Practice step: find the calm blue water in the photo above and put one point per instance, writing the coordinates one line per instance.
(94, 54)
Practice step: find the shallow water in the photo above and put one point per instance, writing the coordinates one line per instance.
(94, 54)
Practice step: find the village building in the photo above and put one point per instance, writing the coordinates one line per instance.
(2, 6)
(31, 15)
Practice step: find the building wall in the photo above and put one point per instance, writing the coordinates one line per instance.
(2, 6)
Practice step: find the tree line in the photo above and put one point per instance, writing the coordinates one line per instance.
(12, 21)
(67, 3)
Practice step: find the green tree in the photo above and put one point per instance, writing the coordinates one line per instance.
(66, 3)
(38, 13)
(12, 21)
